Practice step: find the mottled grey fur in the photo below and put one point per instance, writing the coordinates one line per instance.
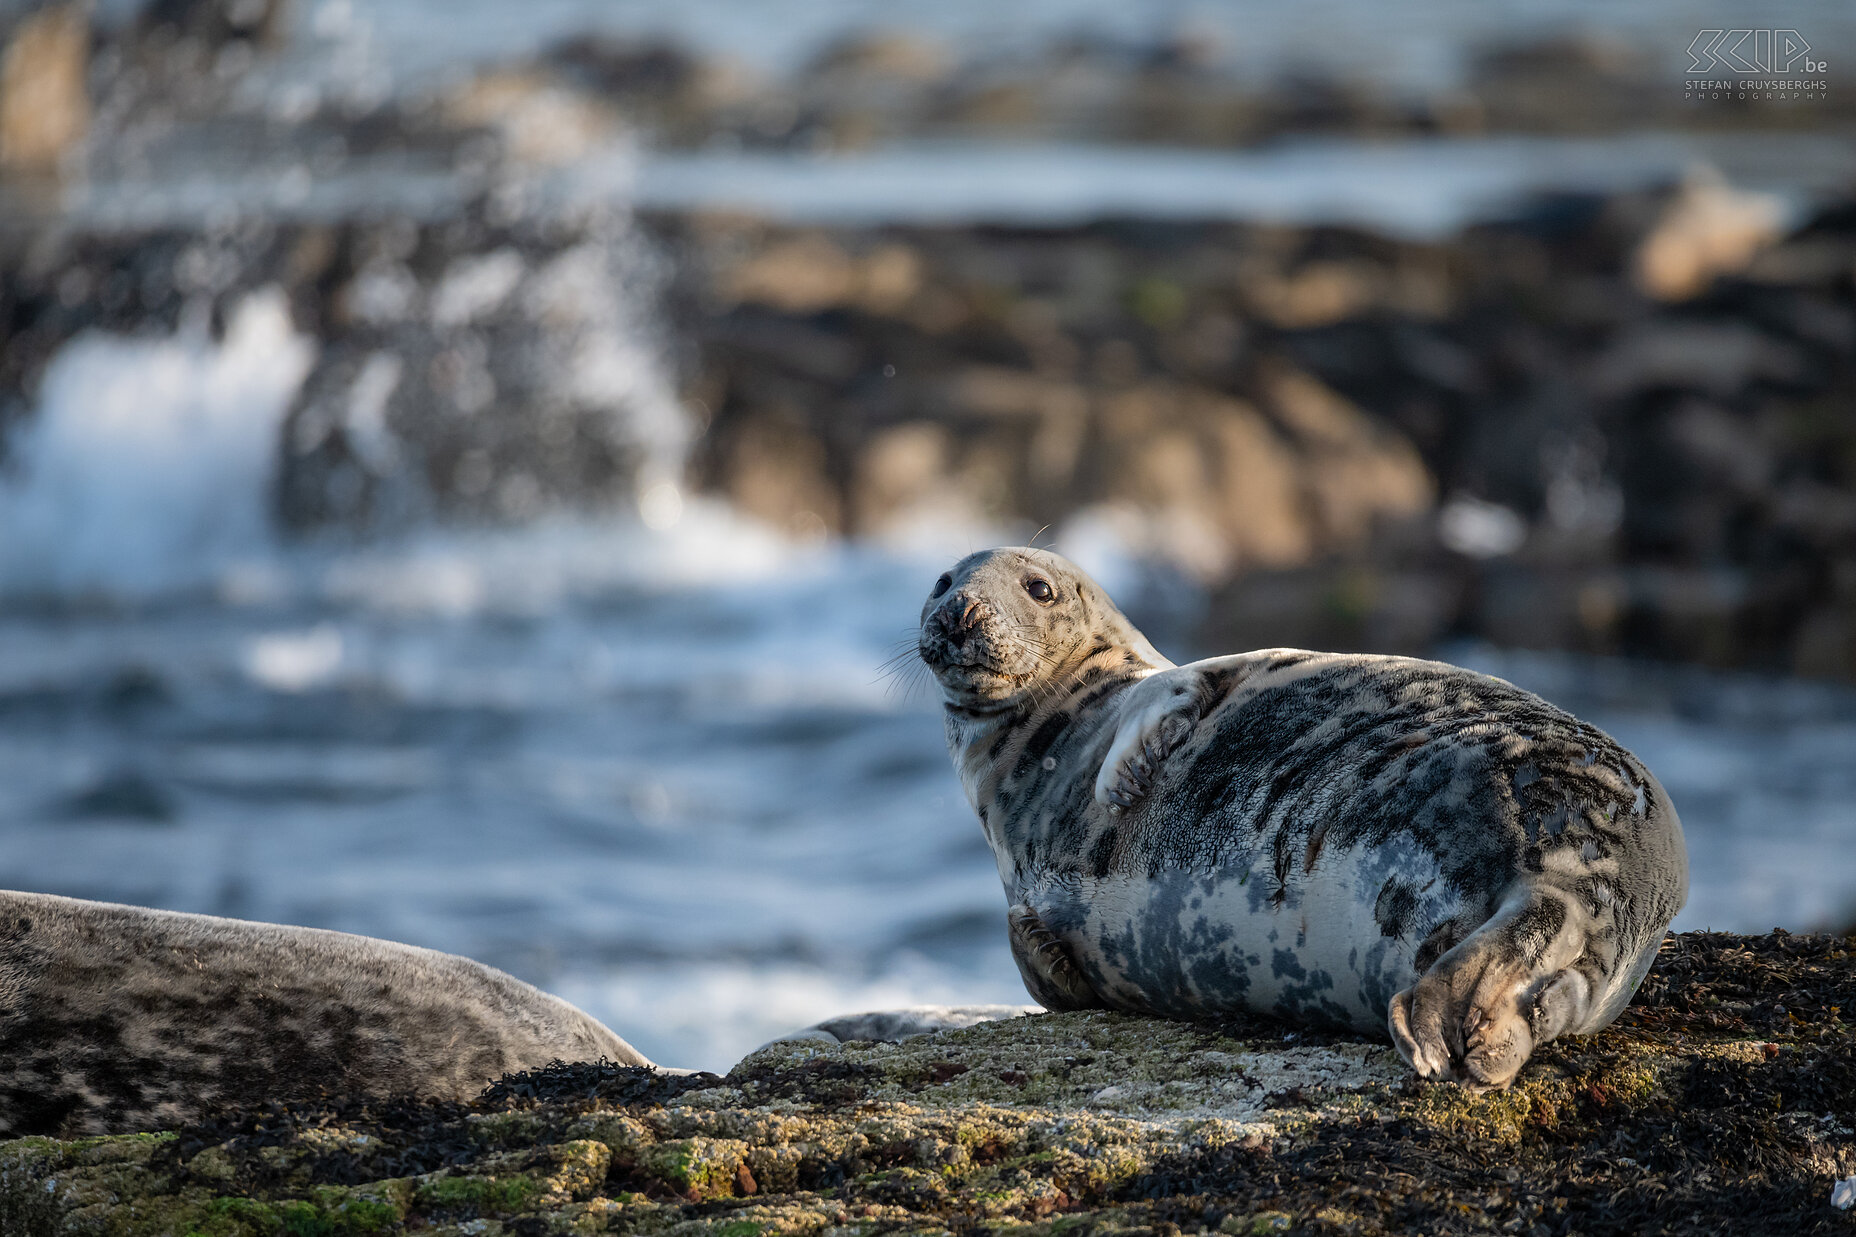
(1373, 842)
(116, 1018)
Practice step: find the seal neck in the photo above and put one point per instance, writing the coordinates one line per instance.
(988, 744)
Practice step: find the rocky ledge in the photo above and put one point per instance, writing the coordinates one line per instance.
(1727, 1091)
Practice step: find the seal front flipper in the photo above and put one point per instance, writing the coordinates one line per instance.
(1051, 975)
(1160, 712)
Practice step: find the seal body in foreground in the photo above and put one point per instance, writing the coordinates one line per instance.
(116, 1018)
(1364, 841)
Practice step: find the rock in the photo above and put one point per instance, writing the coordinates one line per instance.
(1578, 84)
(654, 87)
(216, 23)
(44, 107)
(773, 470)
(1227, 486)
(810, 273)
(1709, 228)
(1359, 471)
(1152, 380)
(1825, 644)
(1353, 606)
(1722, 358)
(539, 120)
(891, 56)
(1317, 293)
(1722, 1097)
(906, 475)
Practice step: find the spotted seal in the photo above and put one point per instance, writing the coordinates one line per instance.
(115, 1019)
(1372, 842)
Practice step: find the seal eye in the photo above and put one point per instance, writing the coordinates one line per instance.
(942, 585)
(1040, 590)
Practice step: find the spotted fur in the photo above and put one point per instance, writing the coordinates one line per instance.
(115, 1018)
(1363, 841)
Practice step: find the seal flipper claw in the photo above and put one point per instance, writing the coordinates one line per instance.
(1528, 975)
(1161, 711)
(1050, 974)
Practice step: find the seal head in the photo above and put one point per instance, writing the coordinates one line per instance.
(1001, 624)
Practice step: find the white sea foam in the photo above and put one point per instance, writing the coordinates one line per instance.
(147, 467)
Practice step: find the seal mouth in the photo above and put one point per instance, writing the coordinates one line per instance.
(970, 681)
(939, 662)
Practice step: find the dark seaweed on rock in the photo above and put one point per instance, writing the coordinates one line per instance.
(410, 1135)
(1780, 986)
(562, 1081)
(1396, 1178)
(827, 1083)
(407, 1135)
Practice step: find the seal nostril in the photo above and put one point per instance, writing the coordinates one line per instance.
(959, 619)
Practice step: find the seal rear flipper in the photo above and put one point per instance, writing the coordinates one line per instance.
(1542, 966)
(1051, 975)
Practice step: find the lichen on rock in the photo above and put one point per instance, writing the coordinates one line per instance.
(1727, 1092)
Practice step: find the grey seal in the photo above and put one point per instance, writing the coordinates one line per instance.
(115, 1019)
(895, 1026)
(1372, 842)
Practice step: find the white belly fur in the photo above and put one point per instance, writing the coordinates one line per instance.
(1181, 942)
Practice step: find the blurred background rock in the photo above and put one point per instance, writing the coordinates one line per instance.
(1460, 329)
(1606, 419)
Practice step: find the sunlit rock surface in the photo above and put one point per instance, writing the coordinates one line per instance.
(1726, 1092)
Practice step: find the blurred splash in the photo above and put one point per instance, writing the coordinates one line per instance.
(149, 466)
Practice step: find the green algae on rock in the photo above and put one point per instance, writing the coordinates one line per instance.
(1727, 1092)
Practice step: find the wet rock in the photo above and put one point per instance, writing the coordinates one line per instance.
(1348, 606)
(925, 386)
(1225, 487)
(539, 120)
(1721, 1097)
(216, 23)
(1707, 229)
(1580, 84)
(810, 273)
(654, 88)
(1236, 399)
(44, 107)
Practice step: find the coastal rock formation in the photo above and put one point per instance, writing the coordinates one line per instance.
(44, 111)
(1724, 1093)
(1608, 423)
(1613, 423)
